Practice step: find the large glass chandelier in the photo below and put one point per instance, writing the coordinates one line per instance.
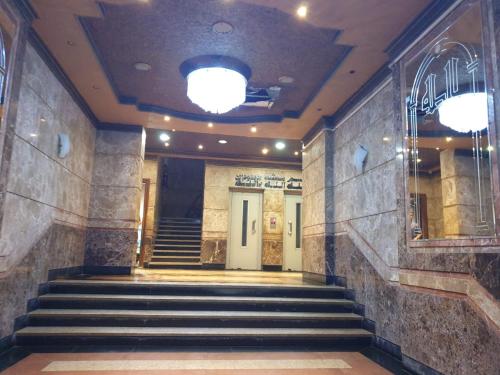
(465, 113)
(215, 89)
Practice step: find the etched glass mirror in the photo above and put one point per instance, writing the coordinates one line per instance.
(448, 133)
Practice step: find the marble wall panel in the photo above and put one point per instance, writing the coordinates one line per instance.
(314, 254)
(119, 143)
(59, 246)
(114, 202)
(123, 171)
(214, 251)
(110, 247)
(272, 253)
(216, 220)
(313, 151)
(216, 197)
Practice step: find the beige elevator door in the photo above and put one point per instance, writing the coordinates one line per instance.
(292, 233)
(246, 231)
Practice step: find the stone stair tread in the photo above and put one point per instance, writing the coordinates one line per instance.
(194, 284)
(174, 263)
(176, 257)
(121, 297)
(193, 331)
(140, 314)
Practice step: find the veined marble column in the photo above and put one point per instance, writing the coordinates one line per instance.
(460, 197)
(317, 193)
(115, 201)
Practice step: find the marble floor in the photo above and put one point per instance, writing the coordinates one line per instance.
(197, 363)
(210, 276)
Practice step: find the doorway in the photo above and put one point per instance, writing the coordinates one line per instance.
(245, 248)
(182, 183)
(292, 233)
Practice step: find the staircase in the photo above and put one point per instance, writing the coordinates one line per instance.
(79, 311)
(177, 244)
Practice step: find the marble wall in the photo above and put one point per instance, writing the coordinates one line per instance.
(438, 304)
(45, 198)
(218, 180)
(115, 199)
(152, 173)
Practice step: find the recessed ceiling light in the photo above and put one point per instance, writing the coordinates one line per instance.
(302, 11)
(95, 87)
(437, 148)
(70, 43)
(253, 129)
(490, 148)
(42, 119)
(173, 130)
(210, 125)
(296, 153)
(167, 144)
(449, 139)
(419, 160)
(164, 137)
(386, 139)
(222, 27)
(33, 135)
(280, 145)
(286, 80)
(142, 66)
(200, 147)
(222, 141)
(166, 118)
(265, 151)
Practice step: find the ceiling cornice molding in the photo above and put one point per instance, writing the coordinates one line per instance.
(418, 26)
(329, 122)
(224, 158)
(120, 127)
(49, 59)
(25, 9)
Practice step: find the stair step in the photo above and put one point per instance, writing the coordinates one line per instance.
(172, 318)
(181, 259)
(181, 246)
(181, 253)
(224, 336)
(195, 289)
(175, 265)
(182, 302)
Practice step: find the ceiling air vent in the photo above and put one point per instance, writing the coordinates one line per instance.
(262, 97)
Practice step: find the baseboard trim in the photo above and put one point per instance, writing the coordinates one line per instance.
(316, 278)
(272, 268)
(213, 266)
(107, 270)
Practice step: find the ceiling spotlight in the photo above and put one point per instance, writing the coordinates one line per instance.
(173, 130)
(42, 119)
(166, 118)
(210, 125)
(253, 129)
(222, 141)
(142, 67)
(200, 147)
(280, 145)
(167, 144)
(419, 160)
(386, 139)
(164, 137)
(302, 11)
(296, 153)
(449, 139)
(265, 151)
(437, 148)
(490, 148)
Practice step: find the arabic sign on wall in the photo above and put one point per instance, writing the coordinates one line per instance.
(271, 181)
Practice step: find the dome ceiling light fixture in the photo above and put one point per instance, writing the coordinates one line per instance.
(217, 84)
(465, 113)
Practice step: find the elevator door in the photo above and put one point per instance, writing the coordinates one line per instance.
(292, 233)
(246, 231)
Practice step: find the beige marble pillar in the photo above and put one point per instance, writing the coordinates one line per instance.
(115, 201)
(151, 173)
(460, 200)
(318, 240)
